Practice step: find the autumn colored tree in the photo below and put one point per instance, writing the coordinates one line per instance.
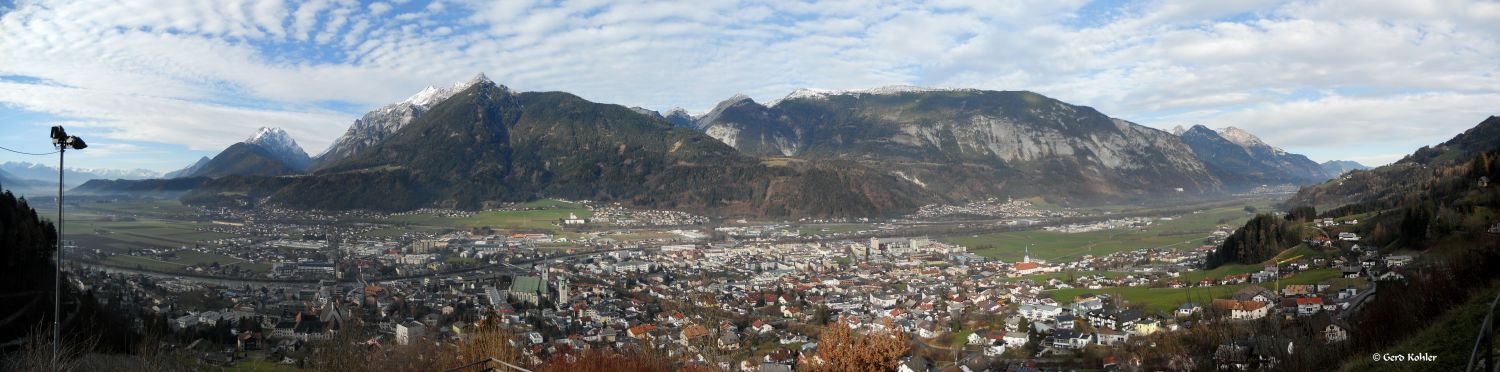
(840, 349)
(348, 351)
(602, 360)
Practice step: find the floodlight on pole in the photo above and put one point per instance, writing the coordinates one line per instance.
(63, 141)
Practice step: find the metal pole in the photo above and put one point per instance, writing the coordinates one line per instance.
(57, 280)
(1485, 340)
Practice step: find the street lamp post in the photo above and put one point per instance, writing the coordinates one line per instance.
(63, 141)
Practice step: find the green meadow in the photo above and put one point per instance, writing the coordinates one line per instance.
(1184, 231)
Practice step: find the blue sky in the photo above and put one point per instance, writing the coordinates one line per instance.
(157, 85)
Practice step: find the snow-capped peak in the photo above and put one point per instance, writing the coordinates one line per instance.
(478, 78)
(1244, 139)
(427, 96)
(432, 94)
(276, 140)
(814, 93)
(376, 125)
(681, 112)
(266, 135)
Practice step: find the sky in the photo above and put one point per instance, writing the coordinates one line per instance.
(157, 85)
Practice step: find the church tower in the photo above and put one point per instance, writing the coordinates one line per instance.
(542, 291)
(562, 292)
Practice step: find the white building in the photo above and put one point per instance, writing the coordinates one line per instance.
(409, 331)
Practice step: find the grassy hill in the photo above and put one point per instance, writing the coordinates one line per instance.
(1450, 338)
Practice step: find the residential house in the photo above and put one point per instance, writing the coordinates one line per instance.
(1112, 337)
(1187, 309)
(1039, 312)
(1255, 293)
(916, 364)
(1330, 329)
(1307, 306)
(1016, 339)
(1241, 310)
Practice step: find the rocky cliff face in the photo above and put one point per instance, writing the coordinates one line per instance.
(1242, 160)
(280, 146)
(967, 142)
(375, 126)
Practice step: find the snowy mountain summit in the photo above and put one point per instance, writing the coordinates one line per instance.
(813, 93)
(276, 140)
(380, 123)
(1246, 139)
(281, 146)
(432, 94)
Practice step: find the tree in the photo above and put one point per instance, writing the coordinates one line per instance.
(1414, 223)
(1303, 213)
(820, 316)
(601, 359)
(840, 349)
(1260, 239)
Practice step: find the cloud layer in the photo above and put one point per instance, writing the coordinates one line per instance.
(1367, 80)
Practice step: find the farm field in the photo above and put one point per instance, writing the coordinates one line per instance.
(1219, 272)
(1183, 231)
(141, 233)
(186, 258)
(532, 220)
(156, 208)
(1167, 299)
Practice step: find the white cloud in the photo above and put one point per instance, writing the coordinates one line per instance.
(1418, 70)
(152, 119)
(379, 8)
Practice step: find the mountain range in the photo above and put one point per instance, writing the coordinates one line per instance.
(487, 145)
(189, 170)
(1339, 167)
(43, 172)
(25, 178)
(1238, 157)
(873, 152)
(967, 143)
